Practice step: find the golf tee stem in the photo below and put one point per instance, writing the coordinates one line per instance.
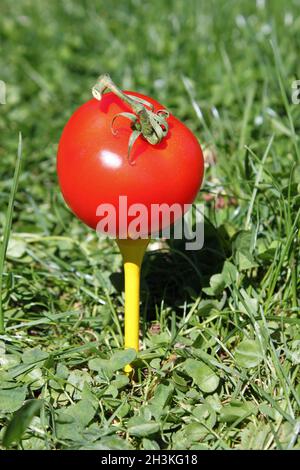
(133, 253)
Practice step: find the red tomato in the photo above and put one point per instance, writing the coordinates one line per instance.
(93, 166)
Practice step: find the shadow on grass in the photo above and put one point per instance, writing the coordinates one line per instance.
(174, 275)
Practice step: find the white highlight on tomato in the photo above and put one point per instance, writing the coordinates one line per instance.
(110, 159)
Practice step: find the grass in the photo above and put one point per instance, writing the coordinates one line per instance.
(219, 365)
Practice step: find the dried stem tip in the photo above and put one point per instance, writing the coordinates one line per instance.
(151, 125)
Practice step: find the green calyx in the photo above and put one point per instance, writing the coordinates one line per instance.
(152, 126)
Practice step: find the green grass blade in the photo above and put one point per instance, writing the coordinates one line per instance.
(7, 227)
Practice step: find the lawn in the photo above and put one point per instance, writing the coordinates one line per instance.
(220, 338)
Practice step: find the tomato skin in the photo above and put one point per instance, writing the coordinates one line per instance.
(93, 166)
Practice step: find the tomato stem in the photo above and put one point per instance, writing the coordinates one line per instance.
(152, 126)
